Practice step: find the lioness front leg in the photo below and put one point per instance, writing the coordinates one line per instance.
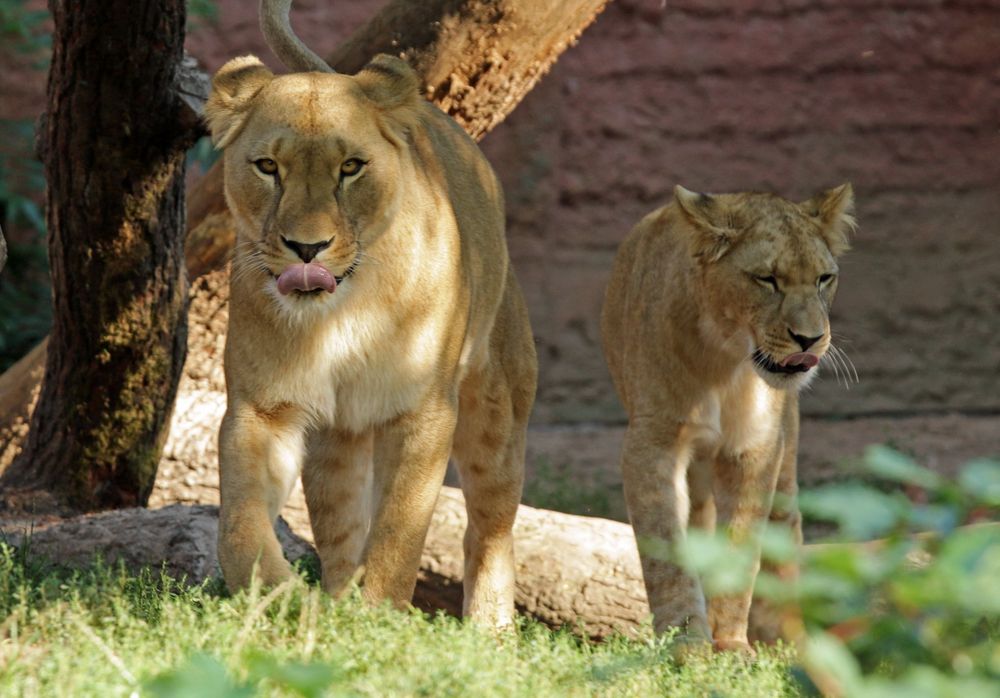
(259, 457)
(654, 464)
(410, 458)
(336, 478)
(744, 490)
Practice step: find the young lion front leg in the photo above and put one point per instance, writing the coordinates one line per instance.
(411, 455)
(654, 465)
(744, 490)
(259, 456)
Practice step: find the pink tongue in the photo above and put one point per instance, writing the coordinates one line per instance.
(306, 277)
(801, 359)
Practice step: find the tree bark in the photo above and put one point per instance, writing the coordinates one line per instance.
(114, 140)
(478, 58)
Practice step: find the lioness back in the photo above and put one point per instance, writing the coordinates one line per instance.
(715, 316)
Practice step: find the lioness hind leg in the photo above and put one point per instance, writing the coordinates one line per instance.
(489, 451)
(336, 477)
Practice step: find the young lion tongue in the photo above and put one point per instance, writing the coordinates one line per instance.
(801, 359)
(306, 277)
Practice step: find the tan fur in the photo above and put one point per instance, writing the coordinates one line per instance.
(712, 434)
(425, 343)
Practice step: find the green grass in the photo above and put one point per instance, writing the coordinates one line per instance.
(105, 632)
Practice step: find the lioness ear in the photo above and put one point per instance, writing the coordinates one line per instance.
(834, 209)
(389, 82)
(233, 90)
(713, 234)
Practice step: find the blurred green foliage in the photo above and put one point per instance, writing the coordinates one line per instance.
(905, 598)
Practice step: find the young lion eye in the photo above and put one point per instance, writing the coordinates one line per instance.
(824, 279)
(351, 167)
(767, 281)
(266, 165)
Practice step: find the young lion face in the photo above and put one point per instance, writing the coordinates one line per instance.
(313, 171)
(768, 273)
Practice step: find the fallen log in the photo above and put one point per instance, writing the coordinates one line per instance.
(572, 571)
(477, 60)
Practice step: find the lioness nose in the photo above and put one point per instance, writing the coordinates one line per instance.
(804, 342)
(306, 251)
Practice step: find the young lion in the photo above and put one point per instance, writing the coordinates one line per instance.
(375, 327)
(715, 317)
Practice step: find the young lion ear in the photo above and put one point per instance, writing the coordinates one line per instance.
(233, 90)
(389, 82)
(706, 214)
(834, 209)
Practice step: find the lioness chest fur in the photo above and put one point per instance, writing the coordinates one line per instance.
(715, 316)
(375, 329)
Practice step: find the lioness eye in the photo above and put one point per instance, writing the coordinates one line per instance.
(266, 165)
(824, 279)
(351, 167)
(768, 281)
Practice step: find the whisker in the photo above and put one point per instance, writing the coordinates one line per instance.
(850, 370)
(838, 372)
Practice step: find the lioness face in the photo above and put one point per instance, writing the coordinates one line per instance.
(312, 162)
(769, 269)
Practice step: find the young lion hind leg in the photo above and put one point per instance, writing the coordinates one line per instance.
(769, 621)
(336, 477)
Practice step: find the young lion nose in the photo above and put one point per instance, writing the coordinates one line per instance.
(306, 251)
(804, 342)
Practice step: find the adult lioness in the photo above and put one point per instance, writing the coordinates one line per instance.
(715, 316)
(375, 327)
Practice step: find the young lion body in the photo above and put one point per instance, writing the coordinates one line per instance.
(715, 316)
(375, 328)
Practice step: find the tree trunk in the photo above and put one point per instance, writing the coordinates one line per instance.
(477, 58)
(114, 140)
